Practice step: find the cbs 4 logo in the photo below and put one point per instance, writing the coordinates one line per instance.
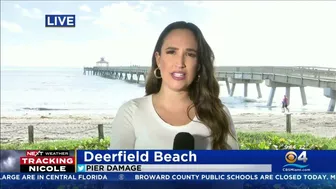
(292, 157)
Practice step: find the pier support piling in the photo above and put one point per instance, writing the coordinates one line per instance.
(228, 86)
(245, 88)
(274, 84)
(238, 80)
(288, 94)
(332, 95)
(271, 96)
(303, 96)
(259, 91)
(331, 106)
(232, 89)
(131, 77)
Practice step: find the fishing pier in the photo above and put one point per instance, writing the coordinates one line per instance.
(274, 78)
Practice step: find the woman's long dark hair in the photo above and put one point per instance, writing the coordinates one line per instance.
(203, 91)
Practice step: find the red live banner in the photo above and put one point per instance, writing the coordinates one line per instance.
(40, 161)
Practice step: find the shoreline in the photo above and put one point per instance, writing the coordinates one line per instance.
(60, 127)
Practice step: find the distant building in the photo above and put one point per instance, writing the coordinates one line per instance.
(102, 62)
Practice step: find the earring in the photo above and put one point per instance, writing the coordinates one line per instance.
(198, 78)
(155, 74)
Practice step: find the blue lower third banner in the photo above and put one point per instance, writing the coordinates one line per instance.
(167, 169)
(211, 161)
(165, 180)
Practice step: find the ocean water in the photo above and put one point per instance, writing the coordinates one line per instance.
(31, 91)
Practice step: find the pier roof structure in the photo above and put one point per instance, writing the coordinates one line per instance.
(102, 63)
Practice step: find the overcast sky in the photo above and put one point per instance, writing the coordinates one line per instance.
(271, 33)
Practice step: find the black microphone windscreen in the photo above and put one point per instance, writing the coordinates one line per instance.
(184, 141)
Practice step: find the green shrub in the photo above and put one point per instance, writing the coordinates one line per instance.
(247, 141)
(271, 141)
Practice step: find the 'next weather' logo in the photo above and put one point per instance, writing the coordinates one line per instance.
(296, 162)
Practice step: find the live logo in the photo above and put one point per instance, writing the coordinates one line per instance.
(60, 20)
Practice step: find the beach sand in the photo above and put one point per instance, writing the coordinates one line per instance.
(60, 127)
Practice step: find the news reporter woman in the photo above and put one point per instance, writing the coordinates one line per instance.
(182, 95)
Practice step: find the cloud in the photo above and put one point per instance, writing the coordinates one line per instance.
(86, 18)
(200, 4)
(56, 12)
(148, 3)
(124, 16)
(118, 15)
(132, 39)
(163, 9)
(117, 51)
(159, 11)
(17, 6)
(34, 13)
(259, 33)
(11, 26)
(150, 7)
(240, 33)
(85, 8)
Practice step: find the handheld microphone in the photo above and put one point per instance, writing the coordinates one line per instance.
(184, 141)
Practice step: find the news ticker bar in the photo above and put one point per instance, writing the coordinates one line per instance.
(243, 168)
(170, 177)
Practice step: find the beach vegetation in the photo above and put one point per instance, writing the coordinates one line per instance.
(284, 141)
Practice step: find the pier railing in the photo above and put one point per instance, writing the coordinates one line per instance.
(299, 71)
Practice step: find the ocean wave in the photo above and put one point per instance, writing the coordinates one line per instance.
(238, 100)
(43, 109)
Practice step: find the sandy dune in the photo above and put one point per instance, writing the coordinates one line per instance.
(48, 127)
